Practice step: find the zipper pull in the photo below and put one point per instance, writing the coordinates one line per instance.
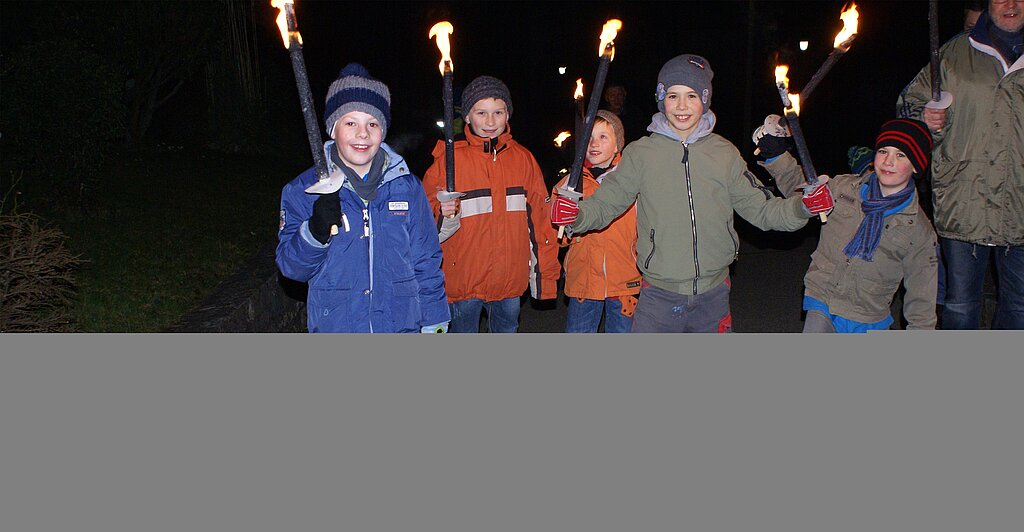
(366, 223)
(686, 154)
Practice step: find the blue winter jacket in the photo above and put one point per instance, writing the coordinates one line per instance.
(380, 274)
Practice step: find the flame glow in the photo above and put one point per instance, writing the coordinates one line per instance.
(442, 30)
(282, 22)
(561, 138)
(780, 75)
(578, 95)
(794, 99)
(608, 33)
(849, 18)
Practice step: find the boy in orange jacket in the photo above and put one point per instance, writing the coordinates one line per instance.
(505, 242)
(600, 266)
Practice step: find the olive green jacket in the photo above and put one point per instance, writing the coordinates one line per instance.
(685, 194)
(978, 160)
(852, 287)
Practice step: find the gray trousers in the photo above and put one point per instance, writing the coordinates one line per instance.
(816, 322)
(661, 311)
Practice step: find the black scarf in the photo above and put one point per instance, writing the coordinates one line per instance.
(366, 187)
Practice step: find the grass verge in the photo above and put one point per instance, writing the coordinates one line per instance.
(163, 228)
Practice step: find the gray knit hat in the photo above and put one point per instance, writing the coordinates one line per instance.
(616, 123)
(355, 90)
(485, 87)
(691, 70)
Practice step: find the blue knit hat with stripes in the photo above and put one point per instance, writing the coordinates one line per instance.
(355, 90)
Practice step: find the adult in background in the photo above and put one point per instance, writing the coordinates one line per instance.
(634, 123)
(978, 164)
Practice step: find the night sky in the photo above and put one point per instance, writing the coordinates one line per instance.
(524, 43)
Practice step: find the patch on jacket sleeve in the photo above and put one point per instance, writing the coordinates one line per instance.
(281, 226)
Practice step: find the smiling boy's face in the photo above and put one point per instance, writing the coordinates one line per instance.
(683, 109)
(893, 169)
(488, 117)
(357, 135)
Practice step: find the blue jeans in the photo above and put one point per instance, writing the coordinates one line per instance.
(965, 281)
(502, 315)
(585, 316)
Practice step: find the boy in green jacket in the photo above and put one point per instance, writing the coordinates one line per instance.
(686, 182)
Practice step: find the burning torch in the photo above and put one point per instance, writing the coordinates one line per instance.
(441, 31)
(326, 183)
(841, 45)
(791, 102)
(940, 98)
(606, 51)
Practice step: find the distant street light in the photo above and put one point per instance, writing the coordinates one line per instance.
(561, 70)
(440, 123)
(803, 46)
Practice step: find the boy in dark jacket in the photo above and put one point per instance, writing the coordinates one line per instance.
(381, 271)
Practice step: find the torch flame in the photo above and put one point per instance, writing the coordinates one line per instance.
(282, 22)
(849, 18)
(578, 95)
(794, 99)
(442, 30)
(561, 138)
(780, 75)
(608, 33)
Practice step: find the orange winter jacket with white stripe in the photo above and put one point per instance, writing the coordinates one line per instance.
(602, 263)
(505, 242)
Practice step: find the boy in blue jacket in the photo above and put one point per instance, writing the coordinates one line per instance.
(381, 272)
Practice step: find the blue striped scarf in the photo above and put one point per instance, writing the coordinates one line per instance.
(876, 208)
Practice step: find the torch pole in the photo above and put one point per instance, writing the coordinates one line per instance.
(449, 128)
(810, 174)
(578, 115)
(933, 35)
(576, 174)
(572, 185)
(305, 95)
(822, 70)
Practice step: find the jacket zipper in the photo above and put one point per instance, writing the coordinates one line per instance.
(693, 215)
(647, 262)
(369, 245)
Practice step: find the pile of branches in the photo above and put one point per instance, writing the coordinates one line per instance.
(37, 287)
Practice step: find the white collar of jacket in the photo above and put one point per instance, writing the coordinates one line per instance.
(659, 124)
(394, 164)
(979, 41)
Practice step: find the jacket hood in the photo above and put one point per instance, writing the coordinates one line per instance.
(659, 124)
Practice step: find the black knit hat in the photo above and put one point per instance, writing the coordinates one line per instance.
(690, 70)
(355, 90)
(911, 137)
(485, 87)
